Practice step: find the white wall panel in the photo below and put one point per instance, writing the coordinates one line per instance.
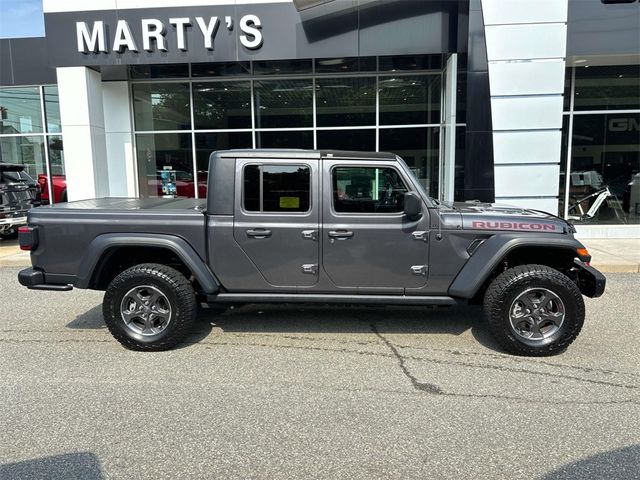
(496, 12)
(82, 120)
(523, 113)
(515, 42)
(526, 77)
(526, 180)
(528, 146)
(545, 204)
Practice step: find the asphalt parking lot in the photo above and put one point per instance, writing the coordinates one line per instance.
(315, 392)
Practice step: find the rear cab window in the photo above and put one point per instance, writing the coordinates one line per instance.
(272, 188)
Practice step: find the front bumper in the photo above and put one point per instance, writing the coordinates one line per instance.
(35, 280)
(590, 281)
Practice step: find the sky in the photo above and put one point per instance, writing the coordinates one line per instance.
(21, 18)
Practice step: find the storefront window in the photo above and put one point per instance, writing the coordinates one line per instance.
(604, 183)
(20, 110)
(280, 139)
(221, 105)
(410, 62)
(56, 155)
(345, 65)
(210, 142)
(161, 106)
(410, 100)
(360, 140)
(25, 150)
(345, 101)
(52, 109)
(607, 88)
(180, 70)
(282, 67)
(165, 165)
(283, 103)
(420, 148)
(220, 69)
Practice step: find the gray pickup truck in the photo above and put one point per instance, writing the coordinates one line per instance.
(296, 226)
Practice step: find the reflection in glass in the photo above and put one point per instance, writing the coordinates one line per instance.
(282, 67)
(285, 188)
(52, 108)
(410, 62)
(161, 106)
(165, 165)
(220, 69)
(604, 183)
(410, 100)
(20, 110)
(283, 103)
(360, 140)
(346, 65)
(278, 139)
(419, 147)
(607, 88)
(345, 101)
(179, 70)
(222, 105)
(206, 143)
(28, 151)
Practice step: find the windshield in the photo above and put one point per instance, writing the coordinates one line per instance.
(416, 182)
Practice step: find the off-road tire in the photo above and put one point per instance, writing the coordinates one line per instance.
(177, 289)
(509, 285)
(10, 234)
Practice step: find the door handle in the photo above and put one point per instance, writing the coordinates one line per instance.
(340, 234)
(258, 233)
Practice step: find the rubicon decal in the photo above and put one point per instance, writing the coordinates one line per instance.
(94, 38)
(486, 225)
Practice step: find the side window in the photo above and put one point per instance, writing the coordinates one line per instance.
(367, 190)
(277, 188)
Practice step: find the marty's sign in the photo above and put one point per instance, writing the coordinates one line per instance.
(94, 38)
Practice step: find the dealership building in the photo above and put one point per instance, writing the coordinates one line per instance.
(532, 103)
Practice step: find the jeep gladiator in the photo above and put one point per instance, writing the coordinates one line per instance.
(297, 226)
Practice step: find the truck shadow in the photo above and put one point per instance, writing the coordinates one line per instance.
(333, 319)
(81, 465)
(621, 464)
(330, 319)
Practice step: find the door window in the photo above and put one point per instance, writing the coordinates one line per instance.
(367, 190)
(277, 188)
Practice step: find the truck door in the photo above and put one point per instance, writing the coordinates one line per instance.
(276, 221)
(367, 240)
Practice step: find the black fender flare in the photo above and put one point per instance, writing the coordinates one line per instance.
(177, 245)
(487, 257)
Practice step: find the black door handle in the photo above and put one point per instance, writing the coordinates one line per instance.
(340, 234)
(258, 233)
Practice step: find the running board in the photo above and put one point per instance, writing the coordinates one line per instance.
(320, 298)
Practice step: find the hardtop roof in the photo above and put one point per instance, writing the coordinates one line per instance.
(301, 153)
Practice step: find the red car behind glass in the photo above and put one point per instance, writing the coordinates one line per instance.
(59, 188)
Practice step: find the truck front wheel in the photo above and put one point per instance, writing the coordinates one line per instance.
(534, 310)
(149, 307)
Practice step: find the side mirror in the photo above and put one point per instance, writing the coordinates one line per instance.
(412, 205)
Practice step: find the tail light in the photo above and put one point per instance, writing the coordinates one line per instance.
(28, 238)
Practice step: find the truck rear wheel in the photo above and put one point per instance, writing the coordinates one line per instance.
(149, 307)
(534, 310)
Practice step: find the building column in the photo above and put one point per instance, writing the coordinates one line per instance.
(82, 119)
(526, 50)
(119, 139)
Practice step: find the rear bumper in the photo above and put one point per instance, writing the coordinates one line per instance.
(590, 281)
(35, 280)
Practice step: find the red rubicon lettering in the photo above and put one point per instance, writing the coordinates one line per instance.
(512, 226)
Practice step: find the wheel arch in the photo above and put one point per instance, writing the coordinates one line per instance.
(106, 251)
(515, 249)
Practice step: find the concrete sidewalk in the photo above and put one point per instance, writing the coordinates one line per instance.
(609, 255)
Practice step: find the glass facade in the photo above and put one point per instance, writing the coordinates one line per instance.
(30, 135)
(367, 104)
(600, 169)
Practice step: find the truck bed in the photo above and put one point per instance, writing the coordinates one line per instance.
(70, 227)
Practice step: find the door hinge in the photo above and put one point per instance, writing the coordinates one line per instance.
(310, 268)
(419, 270)
(420, 235)
(310, 234)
